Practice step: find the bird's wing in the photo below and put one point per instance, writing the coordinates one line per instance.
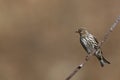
(96, 46)
(96, 40)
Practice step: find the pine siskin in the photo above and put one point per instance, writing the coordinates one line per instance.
(90, 44)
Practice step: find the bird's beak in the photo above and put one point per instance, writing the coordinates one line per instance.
(76, 31)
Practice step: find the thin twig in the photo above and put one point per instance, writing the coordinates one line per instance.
(75, 71)
(78, 67)
(110, 30)
(100, 44)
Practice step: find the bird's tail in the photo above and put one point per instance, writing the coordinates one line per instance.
(103, 61)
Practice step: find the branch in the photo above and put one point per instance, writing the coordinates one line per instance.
(110, 30)
(79, 67)
(100, 44)
(75, 71)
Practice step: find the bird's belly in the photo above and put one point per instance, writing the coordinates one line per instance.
(89, 46)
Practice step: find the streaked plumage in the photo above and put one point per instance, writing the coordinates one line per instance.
(90, 44)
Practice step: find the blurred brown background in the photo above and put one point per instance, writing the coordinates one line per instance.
(38, 40)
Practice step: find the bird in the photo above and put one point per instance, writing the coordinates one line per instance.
(91, 45)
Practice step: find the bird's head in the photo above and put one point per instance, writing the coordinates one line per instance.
(81, 30)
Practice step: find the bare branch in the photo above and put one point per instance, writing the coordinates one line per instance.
(110, 30)
(79, 67)
(100, 44)
(75, 71)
